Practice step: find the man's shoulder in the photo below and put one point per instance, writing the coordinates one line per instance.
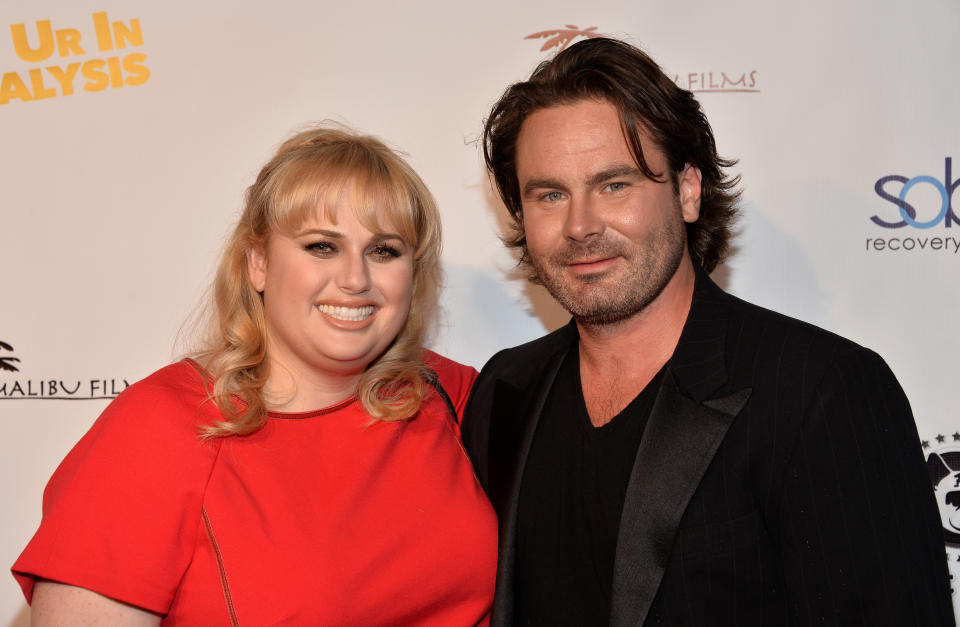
(752, 319)
(518, 362)
(715, 310)
(776, 342)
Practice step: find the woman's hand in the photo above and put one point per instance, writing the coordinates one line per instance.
(59, 604)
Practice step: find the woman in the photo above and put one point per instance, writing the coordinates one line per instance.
(304, 468)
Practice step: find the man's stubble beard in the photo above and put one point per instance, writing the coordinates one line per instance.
(591, 299)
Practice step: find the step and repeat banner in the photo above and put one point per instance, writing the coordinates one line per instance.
(129, 131)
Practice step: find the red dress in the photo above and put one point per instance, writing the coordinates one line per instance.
(319, 518)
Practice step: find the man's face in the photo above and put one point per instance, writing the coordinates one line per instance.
(604, 239)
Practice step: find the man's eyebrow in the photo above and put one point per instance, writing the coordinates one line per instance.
(535, 184)
(595, 179)
(614, 172)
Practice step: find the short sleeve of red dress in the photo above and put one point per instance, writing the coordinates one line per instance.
(121, 513)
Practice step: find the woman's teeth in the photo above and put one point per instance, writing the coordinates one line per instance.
(346, 313)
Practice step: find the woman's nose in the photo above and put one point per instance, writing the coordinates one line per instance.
(353, 275)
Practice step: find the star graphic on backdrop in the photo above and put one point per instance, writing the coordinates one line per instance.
(940, 438)
(956, 437)
(925, 443)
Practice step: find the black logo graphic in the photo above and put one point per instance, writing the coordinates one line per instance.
(18, 387)
(6, 363)
(943, 465)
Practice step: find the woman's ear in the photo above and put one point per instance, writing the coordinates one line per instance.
(257, 268)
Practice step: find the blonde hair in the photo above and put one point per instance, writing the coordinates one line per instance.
(309, 173)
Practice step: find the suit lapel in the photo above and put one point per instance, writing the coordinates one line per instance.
(685, 429)
(686, 426)
(517, 411)
(678, 444)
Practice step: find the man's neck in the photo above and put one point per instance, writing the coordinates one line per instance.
(618, 360)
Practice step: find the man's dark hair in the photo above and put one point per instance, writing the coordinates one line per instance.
(647, 100)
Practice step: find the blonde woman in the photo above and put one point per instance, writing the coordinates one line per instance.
(304, 468)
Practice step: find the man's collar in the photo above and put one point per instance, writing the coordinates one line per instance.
(699, 361)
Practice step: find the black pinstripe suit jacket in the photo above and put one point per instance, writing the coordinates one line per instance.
(780, 480)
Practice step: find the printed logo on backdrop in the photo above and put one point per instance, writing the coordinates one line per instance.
(15, 385)
(707, 81)
(943, 466)
(563, 37)
(7, 361)
(710, 81)
(68, 60)
(915, 214)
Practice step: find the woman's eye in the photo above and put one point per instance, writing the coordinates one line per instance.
(384, 251)
(320, 248)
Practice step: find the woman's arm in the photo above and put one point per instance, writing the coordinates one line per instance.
(60, 604)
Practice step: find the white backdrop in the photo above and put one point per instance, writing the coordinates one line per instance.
(129, 131)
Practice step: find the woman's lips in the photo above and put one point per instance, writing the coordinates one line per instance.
(348, 318)
(353, 314)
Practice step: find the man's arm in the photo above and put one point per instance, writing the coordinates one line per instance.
(858, 527)
(475, 426)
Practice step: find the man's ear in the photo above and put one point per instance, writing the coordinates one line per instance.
(257, 268)
(689, 189)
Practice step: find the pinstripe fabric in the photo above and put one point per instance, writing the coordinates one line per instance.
(816, 508)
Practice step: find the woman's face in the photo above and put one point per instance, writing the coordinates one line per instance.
(335, 295)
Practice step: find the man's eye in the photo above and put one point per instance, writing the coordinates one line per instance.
(616, 187)
(553, 196)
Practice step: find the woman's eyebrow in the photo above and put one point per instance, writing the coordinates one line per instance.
(376, 238)
(324, 232)
(380, 237)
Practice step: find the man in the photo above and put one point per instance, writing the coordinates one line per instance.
(676, 456)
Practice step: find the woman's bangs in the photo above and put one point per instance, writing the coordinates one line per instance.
(376, 194)
(382, 204)
(303, 190)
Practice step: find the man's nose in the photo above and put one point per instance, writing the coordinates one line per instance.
(583, 220)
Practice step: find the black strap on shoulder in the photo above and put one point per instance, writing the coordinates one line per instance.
(434, 380)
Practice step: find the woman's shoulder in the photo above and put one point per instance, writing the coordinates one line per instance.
(169, 405)
(178, 386)
(456, 378)
(147, 437)
(185, 377)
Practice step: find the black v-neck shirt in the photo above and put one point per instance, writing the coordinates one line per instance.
(571, 498)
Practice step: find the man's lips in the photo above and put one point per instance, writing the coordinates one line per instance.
(591, 265)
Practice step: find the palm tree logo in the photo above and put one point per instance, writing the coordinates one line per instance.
(6, 363)
(562, 37)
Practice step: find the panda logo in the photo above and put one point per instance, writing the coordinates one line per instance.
(944, 469)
